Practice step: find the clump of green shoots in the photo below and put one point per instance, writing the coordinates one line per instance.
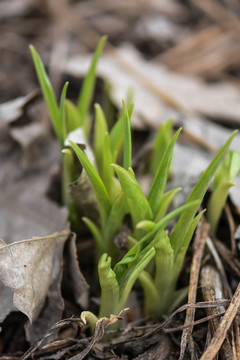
(121, 195)
(149, 240)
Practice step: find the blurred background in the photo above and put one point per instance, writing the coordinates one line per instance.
(172, 58)
(189, 37)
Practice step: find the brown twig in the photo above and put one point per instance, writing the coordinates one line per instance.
(223, 327)
(198, 249)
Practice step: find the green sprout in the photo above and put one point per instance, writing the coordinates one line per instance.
(223, 181)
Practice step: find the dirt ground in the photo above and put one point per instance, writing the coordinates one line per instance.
(178, 59)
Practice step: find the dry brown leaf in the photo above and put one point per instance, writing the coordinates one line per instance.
(27, 156)
(76, 279)
(28, 266)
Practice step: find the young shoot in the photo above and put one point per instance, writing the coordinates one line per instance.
(223, 181)
(67, 117)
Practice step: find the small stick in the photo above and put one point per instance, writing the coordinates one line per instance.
(223, 327)
(198, 246)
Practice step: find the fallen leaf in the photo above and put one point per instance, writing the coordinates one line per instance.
(76, 280)
(28, 267)
(28, 155)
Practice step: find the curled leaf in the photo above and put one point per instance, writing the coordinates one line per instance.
(28, 267)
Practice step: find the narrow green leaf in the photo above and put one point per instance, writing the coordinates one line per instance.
(127, 149)
(151, 294)
(228, 169)
(97, 184)
(160, 179)
(86, 93)
(96, 234)
(47, 91)
(179, 257)
(68, 174)
(114, 221)
(160, 145)
(216, 203)
(107, 170)
(73, 118)
(100, 130)
(137, 203)
(223, 181)
(117, 134)
(177, 299)
(165, 202)
(128, 279)
(197, 193)
(62, 114)
(189, 234)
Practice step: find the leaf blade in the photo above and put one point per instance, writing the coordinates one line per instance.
(97, 184)
(47, 91)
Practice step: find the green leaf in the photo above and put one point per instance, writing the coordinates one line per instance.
(222, 182)
(114, 221)
(165, 202)
(216, 203)
(62, 114)
(128, 279)
(86, 94)
(96, 234)
(127, 149)
(179, 257)
(151, 294)
(160, 145)
(117, 134)
(97, 184)
(137, 203)
(107, 170)
(48, 92)
(73, 118)
(228, 169)
(160, 179)
(100, 130)
(197, 193)
(68, 174)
